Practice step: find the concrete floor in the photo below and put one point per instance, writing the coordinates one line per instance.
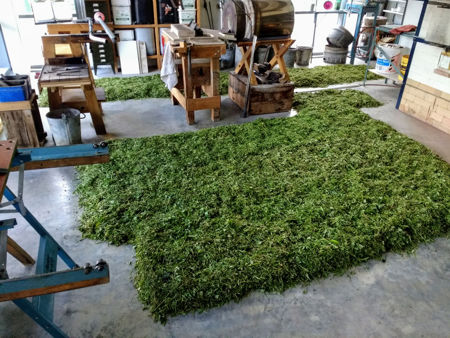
(404, 296)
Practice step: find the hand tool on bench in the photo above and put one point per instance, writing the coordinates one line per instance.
(47, 280)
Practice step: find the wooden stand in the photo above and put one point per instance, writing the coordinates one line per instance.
(23, 122)
(56, 78)
(280, 47)
(196, 77)
(268, 98)
(263, 99)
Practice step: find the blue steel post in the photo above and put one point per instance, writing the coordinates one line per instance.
(411, 54)
(26, 306)
(10, 196)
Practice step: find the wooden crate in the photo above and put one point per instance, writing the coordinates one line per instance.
(22, 122)
(264, 99)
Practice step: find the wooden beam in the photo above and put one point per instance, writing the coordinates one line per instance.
(45, 284)
(18, 252)
(67, 162)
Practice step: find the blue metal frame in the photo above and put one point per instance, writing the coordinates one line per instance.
(361, 10)
(411, 54)
(40, 309)
(386, 29)
(57, 153)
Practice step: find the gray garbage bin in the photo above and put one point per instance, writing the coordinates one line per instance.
(65, 126)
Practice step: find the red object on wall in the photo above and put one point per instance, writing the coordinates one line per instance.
(328, 5)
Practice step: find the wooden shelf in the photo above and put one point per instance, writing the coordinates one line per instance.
(157, 28)
(134, 26)
(390, 76)
(392, 12)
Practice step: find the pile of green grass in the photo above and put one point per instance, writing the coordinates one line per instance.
(324, 76)
(266, 205)
(142, 87)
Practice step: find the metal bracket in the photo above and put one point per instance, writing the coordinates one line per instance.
(19, 199)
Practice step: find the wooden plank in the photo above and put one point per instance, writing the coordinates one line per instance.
(264, 99)
(179, 97)
(68, 162)
(214, 87)
(74, 28)
(187, 86)
(7, 151)
(95, 109)
(19, 125)
(19, 253)
(76, 95)
(203, 103)
(264, 42)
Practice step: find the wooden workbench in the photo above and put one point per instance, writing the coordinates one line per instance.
(57, 77)
(202, 74)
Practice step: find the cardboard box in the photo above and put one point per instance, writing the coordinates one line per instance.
(125, 34)
(122, 15)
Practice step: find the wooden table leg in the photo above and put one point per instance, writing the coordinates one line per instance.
(215, 83)
(95, 109)
(246, 62)
(174, 100)
(54, 98)
(197, 92)
(279, 58)
(188, 90)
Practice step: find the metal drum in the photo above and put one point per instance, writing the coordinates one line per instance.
(263, 18)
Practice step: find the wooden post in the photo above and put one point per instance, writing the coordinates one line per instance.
(215, 85)
(188, 90)
(95, 109)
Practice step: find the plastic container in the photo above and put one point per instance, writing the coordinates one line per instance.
(263, 55)
(403, 65)
(340, 37)
(393, 54)
(65, 126)
(335, 55)
(303, 56)
(227, 60)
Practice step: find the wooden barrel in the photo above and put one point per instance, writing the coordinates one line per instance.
(263, 18)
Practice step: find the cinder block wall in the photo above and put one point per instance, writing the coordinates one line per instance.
(427, 94)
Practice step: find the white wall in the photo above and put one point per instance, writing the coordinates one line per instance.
(22, 37)
(17, 54)
(436, 28)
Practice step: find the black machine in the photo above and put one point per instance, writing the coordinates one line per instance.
(143, 12)
(168, 11)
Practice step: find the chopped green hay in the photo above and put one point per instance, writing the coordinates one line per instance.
(324, 76)
(126, 88)
(265, 205)
(135, 88)
(142, 87)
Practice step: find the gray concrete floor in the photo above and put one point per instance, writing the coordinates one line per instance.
(405, 296)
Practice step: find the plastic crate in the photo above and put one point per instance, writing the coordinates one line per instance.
(12, 94)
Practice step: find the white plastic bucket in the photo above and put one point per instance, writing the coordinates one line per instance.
(392, 53)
